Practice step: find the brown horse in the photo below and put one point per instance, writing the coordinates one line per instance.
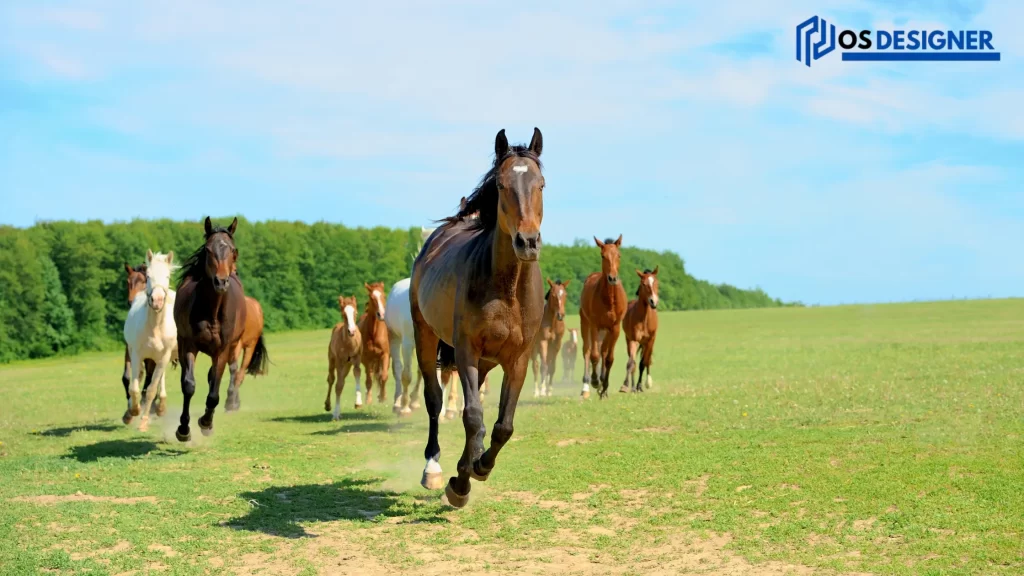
(569, 351)
(376, 352)
(251, 349)
(136, 278)
(640, 326)
(549, 337)
(477, 298)
(602, 306)
(210, 314)
(343, 354)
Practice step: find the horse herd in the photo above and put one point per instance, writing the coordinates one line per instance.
(475, 300)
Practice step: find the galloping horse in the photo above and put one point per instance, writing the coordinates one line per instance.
(210, 314)
(398, 318)
(150, 334)
(137, 283)
(602, 306)
(477, 298)
(343, 354)
(640, 326)
(549, 337)
(252, 350)
(569, 357)
(376, 344)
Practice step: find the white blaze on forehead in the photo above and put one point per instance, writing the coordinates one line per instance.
(376, 296)
(520, 168)
(350, 314)
(650, 281)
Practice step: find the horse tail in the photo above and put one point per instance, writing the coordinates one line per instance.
(445, 356)
(259, 359)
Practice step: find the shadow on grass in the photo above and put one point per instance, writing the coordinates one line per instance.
(326, 417)
(120, 449)
(279, 510)
(68, 430)
(347, 427)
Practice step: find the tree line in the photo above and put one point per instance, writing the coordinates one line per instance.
(63, 289)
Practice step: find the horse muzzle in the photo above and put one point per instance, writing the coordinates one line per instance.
(527, 246)
(560, 317)
(653, 302)
(613, 280)
(221, 285)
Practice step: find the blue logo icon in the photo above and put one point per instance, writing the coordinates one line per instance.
(805, 32)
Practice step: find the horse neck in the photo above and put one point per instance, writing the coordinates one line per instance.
(215, 300)
(611, 291)
(372, 320)
(644, 307)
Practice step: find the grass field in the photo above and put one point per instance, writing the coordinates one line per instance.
(881, 439)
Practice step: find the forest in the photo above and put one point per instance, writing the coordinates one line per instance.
(63, 289)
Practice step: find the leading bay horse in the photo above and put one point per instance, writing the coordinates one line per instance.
(640, 327)
(477, 298)
(210, 314)
(602, 307)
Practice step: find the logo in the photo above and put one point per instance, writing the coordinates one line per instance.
(816, 38)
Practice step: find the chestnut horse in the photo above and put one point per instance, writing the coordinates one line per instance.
(640, 327)
(477, 298)
(136, 284)
(251, 349)
(549, 337)
(602, 306)
(376, 343)
(569, 350)
(210, 314)
(343, 354)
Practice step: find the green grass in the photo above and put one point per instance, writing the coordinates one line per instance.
(883, 439)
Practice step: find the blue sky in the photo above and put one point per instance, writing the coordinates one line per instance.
(682, 126)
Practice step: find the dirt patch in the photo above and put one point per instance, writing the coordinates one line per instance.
(658, 429)
(699, 485)
(52, 499)
(571, 442)
(166, 550)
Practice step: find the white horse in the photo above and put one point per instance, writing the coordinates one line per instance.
(398, 318)
(151, 334)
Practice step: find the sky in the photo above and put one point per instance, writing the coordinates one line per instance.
(683, 126)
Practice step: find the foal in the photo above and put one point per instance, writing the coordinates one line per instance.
(640, 326)
(549, 337)
(376, 343)
(569, 350)
(343, 354)
(602, 306)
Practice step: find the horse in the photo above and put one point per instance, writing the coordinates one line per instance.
(477, 298)
(211, 315)
(549, 337)
(569, 357)
(640, 327)
(376, 343)
(136, 278)
(251, 349)
(602, 306)
(343, 354)
(150, 333)
(398, 319)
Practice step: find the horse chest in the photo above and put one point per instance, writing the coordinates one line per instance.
(208, 334)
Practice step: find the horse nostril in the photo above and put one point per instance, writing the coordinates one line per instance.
(532, 243)
(520, 242)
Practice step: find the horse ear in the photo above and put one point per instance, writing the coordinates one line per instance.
(566, 283)
(149, 256)
(341, 301)
(367, 286)
(500, 145)
(128, 268)
(598, 242)
(462, 204)
(170, 257)
(209, 226)
(655, 271)
(619, 241)
(639, 273)
(537, 142)
(550, 283)
(234, 224)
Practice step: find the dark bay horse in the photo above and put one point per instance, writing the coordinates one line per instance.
(602, 306)
(210, 314)
(640, 328)
(477, 298)
(136, 284)
(549, 338)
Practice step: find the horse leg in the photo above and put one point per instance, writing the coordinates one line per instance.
(453, 395)
(457, 491)
(415, 396)
(355, 372)
(133, 388)
(536, 380)
(511, 386)
(331, 368)
(543, 366)
(233, 372)
(149, 366)
(608, 349)
(382, 374)
(396, 368)
(433, 397)
(408, 400)
(158, 374)
(342, 369)
(594, 358)
(162, 406)
(628, 383)
(648, 358)
(585, 334)
(556, 345)
(368, 367)
(213, 396)
(126, 379)
(234, 401)
(187, 360)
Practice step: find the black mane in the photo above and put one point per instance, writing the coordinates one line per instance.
(485, 197)
(195, 265)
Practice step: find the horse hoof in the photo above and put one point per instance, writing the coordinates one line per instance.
(127, 418)
(450, 415)
(358, 406)
(454, 500)
(405, 411)
(415, 405)
(327, 407)
(135, 410)
(432, 480)
(187, 436)
(477, 476)
(585, 395)
(161, 409)
(624, 389)
(206, 431)
(144, 424)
